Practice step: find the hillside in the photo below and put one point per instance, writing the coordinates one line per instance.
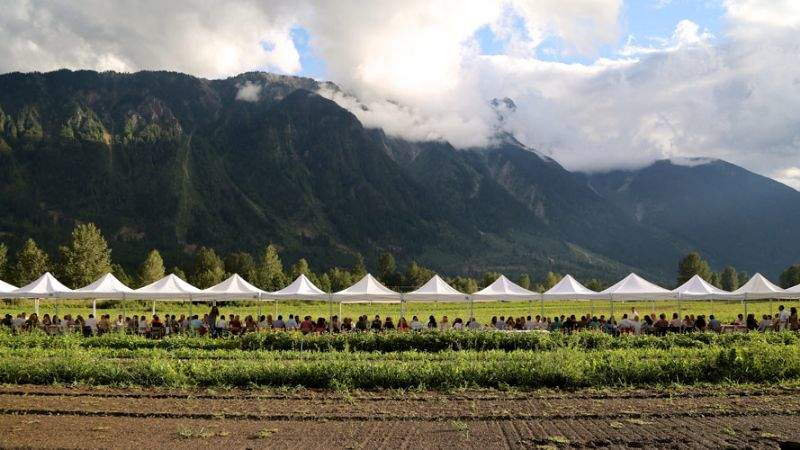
(167, 160)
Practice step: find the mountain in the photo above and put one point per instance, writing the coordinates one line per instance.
(166, 160)
(731, 215)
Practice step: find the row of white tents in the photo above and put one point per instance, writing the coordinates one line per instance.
(369, 289)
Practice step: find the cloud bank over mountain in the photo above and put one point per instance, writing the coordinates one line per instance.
(586, 94)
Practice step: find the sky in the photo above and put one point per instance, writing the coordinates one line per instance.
(598, 84)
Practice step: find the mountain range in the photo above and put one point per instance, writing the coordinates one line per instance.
(170, 161)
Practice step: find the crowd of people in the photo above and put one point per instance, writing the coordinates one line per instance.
(215, 324)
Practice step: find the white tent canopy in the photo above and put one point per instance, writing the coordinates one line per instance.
(793, 292)
(368, 289)
(235, 287)
(436, 289)
(107, 287)
(171, 287)
(6, 288)
(301, 289)
(569, 289)
(505, 290)
(45, 286)
(696, 288)
(758, 287)
(634, 287)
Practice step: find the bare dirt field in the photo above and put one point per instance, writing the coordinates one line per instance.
(55, 417)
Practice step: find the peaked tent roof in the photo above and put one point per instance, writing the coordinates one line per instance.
(5, 287)
(45, 286)
(168, 288)
(107, 286)
(759, 287)
(504, 289)
(569, 289)
(301, 289)
(235, 287)
(699, 289)
(436, 289)
(634, 287)
(367, 289)
(793, 292)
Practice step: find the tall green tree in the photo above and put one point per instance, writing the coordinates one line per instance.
(31, 263)
(324, 282)
(416, 275)
(729, 279)
(359, 269)
(86, 258)
(269, 273)
(3, 261)
(550, 280)
(489, 278)
(386, 266)
(744, 277)
(152, 268)
(301, 267)
(340, 279)
(241, 263)
(595, 285)
(524, 281)
(178, 272)
(208, 268)
(714, 279)
(790, 277)
(464, 284)
(691, 265)
(118, 271)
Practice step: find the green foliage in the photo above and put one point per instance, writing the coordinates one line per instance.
(208, 268)
(691, 265)
(178, 272)
(416, 275)
(241, 263)
(340, 279)
(550, 280)
(714, 279)
(595, 285)
(269, 271)
(524, 281)
(359, 268)
(562, 361)
(489, 278)
(31, 263)
(3, 260)
(152, 269)
(119, 272)
(86, 258)
(300, 268)
(729, 279)
(464, 284)
(790, 277)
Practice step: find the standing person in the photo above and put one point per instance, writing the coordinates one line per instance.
(783, 318)
(212, 320)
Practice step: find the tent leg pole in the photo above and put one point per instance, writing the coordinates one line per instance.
(770, 307)
(154, 308)
(542, 307)
(36, 306)
(330, 312)
(94, 307)
(276, 310)
(471, 308)
(340, 310)
(530, 306)
(612, 307)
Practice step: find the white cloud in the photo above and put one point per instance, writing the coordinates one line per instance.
(789, 176)
(248, 91)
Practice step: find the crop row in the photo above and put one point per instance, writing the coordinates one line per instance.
(433, 341)
(523, 369)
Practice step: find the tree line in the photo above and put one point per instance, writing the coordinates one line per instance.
(87, 256)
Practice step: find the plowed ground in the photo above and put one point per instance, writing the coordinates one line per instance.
(55, 417)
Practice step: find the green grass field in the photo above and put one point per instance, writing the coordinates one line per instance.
(724, 310)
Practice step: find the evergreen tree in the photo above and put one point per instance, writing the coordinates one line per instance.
(3, 261)
(269, 271)
(301, 267)
(729, 279)
(119, 272)
(416, 275)
(178, 272)
(595, 285)
(464, 284)
(489, 278)
(524, 281)
(714, 279)
(550, 280)
(31, 263)
(386, 266)
(359, 269)
(152, 269)
(744, 277)
(790, 277)
(86, 258)
(208, 268)
(340, 279)
(324, 282)
(691, 265)
(241, 263)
